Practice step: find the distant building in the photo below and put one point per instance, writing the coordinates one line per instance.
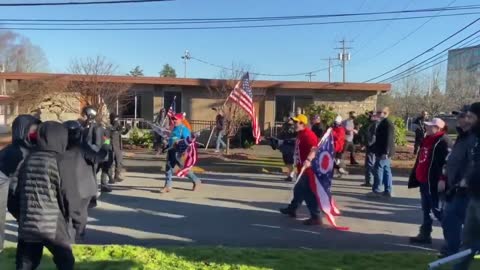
(463, 72)
(273, 100)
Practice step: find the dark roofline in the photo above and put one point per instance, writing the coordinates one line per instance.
(377, 87)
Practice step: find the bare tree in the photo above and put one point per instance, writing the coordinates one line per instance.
(407, 95)
(18, 54)
(234, 115)
(96, 88)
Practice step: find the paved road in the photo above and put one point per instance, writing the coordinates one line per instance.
(241, 210)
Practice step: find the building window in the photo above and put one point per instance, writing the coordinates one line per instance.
(169, 96)
(284, 105)
(129, 111)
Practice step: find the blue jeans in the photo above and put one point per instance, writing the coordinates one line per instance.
(303, 192)
(452, 223)
(369, 167)
(382, 175)
(220, 142)
(174, 159)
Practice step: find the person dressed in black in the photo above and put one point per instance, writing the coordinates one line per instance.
(24, 130)
(317, 127)
(420, 130)
(115, 132)
(286, 146)
(44, 213)
(92, 137)
(75, 169)
(369, 142)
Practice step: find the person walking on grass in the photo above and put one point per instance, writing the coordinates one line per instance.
(44, 207)
(456, 196)
(24, 130)
(384, 149)
(306, 140)
(370, 139)
(427, 174)
(175, 151)
(350, 133)
(220, 130)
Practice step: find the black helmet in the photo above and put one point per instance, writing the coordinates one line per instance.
(90, 112)
(74, 132)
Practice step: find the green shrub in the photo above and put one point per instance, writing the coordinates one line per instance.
(400, 130)
(327, 114)
(140, 137)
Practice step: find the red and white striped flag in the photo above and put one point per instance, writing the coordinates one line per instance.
(243, 96)
(190, 156)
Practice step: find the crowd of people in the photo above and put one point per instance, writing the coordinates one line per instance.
(48, 174)
(446, 172)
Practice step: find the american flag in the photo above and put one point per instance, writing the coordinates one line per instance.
(171, 112)
(322, 166)
(242, 95)
(190, 155)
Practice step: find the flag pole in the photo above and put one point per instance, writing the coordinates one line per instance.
(166, 113)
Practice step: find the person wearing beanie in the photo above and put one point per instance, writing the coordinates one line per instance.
(471, 234)
(456, 197)
(384, 149)
(338, 133)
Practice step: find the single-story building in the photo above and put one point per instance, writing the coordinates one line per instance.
(273, 99)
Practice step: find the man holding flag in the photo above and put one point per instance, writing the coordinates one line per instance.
(315, 167)
(306, 140)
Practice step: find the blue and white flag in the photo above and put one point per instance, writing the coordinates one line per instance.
(322, 166)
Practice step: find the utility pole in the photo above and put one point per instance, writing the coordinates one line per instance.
(344, 56)
(186, 56)
(310, 75)
(4, 81)
(329, 59)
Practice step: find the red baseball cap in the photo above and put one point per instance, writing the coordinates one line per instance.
(178, 116)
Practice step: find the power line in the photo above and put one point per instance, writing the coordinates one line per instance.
(405, 36)
(256, 73)
(250, 19)
(76, 3)
(228, 27)
(425, 52)
(435, 57)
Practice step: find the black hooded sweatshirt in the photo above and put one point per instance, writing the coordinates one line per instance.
(44, 212)
(12, 155)
(79, 182)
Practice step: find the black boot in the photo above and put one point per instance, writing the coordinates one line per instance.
(421, 238)
(289, 211)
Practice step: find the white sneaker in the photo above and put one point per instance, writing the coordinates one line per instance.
(342, 171)
(217, 151)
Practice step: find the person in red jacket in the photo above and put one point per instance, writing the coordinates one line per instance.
(338, 132)
(306, 140)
